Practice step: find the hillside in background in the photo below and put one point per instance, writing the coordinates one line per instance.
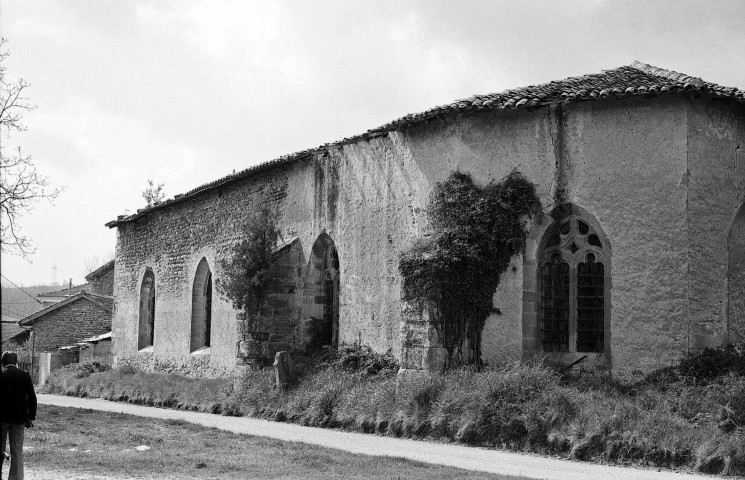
(21, 302)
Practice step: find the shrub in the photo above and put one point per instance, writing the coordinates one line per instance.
(518, 406)
(713, 363)
(362, 359)
(453, 272)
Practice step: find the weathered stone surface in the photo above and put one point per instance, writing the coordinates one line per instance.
(661, 176)
(284, 371)
(69, 324)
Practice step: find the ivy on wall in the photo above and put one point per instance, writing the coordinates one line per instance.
(454, 271)
(245, 276)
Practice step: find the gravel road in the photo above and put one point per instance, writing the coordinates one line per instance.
(470, 458)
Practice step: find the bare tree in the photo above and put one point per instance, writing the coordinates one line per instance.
(94, 261)
(20, 184)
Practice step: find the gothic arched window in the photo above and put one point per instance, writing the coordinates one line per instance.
(572, 278)
(146, 335)
(331, 292)
(201, 307)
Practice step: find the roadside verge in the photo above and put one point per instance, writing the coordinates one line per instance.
(470, 458)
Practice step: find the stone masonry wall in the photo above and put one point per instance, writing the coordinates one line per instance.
(367, 197)
(624, 161)
(103, 285)
(70, 324)
(716, 191)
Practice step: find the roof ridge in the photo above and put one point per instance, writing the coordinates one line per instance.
(669, 74)
(627, 80)
(111, 297)
(62, 290)
(100, 270)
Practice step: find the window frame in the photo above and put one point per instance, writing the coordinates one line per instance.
(146, 314)
(202, 294)
(573, 247)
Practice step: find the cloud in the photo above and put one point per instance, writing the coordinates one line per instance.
(102, 148)
(258, 33)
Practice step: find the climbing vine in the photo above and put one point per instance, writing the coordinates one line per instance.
(245, 278)
(454, 271)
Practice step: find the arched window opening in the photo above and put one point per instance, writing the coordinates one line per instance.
(331, 293)
(572, 284)
(322, 293)
(146, 335)
(201, 307)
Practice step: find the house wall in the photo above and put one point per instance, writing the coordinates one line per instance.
(100, 352)
(103, 285)
(70, 324)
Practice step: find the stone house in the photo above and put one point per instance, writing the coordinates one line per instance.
(639, 259)
(50, 298)
(96, 348)
(79, 312)
(101, 280)
(69, 321)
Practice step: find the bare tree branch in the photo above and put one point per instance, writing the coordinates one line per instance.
(21, 186)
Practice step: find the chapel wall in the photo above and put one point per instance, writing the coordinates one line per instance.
(172, 242)
(624, 161)
(716, 185)
(369, 197)
(488, 146)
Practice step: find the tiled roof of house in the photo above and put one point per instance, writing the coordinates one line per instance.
(636, 79)
(101, 301)
(65, 292)
(100, 270)
(11, 329)
(105, 300)
(97, 338)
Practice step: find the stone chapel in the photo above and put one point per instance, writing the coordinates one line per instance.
(639, 259)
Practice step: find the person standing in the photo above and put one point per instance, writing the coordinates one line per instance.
(17, 411)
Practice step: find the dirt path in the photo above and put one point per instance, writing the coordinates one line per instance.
(471, 458)
(35, 473)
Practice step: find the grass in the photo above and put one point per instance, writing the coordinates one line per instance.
(99, 443)
(690, 416)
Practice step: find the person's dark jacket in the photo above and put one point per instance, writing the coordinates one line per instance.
(18, 402)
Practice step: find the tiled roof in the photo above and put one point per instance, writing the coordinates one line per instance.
(100, 270)
(11, 329)
(65, 292)
(97, 338)
(636, 79)
(104, 302)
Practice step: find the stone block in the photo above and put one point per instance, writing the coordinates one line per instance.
(284, 371)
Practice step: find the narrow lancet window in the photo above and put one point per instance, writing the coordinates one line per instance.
(146, 334)
(201, 307)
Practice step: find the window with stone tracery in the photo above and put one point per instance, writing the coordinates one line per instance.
(572, 285)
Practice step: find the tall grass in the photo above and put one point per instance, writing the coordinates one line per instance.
(690, 416)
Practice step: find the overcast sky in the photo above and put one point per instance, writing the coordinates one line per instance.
(185, 92)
